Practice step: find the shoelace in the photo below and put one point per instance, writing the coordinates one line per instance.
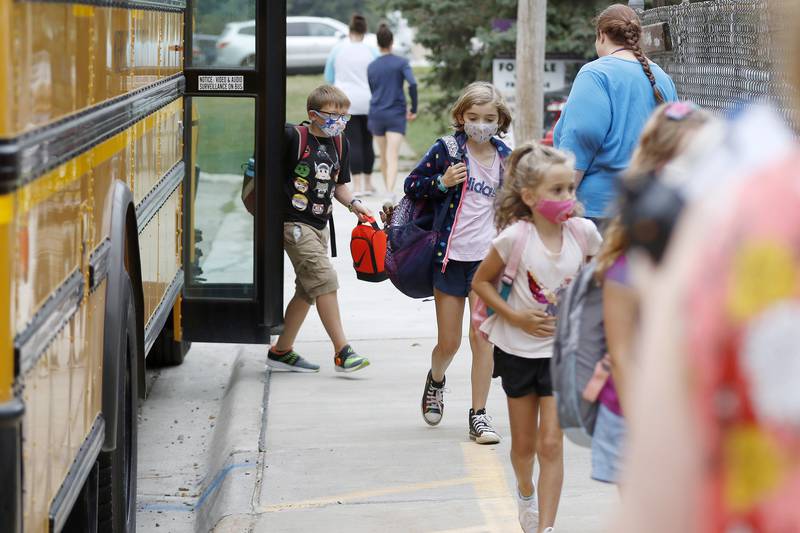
(434, 398)
(481, 423)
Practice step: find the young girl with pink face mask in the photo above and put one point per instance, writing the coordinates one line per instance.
(537, 217)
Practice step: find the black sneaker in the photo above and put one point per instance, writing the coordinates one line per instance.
(432, 402)
(480, 430)
(291, 361)
(347, 360)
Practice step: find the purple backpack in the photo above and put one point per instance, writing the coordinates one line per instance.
(413, 232)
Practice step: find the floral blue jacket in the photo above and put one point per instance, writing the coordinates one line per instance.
(423, 184)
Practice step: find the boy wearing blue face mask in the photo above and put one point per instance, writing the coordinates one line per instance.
(319, 174)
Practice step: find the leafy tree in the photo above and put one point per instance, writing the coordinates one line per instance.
(462, 41)
(211, 17)
(338, 9)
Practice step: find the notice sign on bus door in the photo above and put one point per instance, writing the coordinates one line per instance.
(220, 83)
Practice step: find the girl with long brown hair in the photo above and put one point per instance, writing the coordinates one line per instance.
(608, 106)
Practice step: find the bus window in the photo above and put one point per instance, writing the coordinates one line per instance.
(223, 37)
(223, 229)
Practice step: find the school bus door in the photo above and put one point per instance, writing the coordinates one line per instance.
(234, 110)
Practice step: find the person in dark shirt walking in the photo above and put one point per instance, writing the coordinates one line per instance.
(388, 110)
(320, 174)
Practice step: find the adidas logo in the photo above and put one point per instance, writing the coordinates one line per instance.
(481, 187)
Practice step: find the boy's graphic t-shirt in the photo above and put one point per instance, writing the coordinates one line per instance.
(474, 228)
(541, 279)
(312, 180)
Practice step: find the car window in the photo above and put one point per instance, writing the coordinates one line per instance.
(296, 29)
(321, 30)
(247, 30)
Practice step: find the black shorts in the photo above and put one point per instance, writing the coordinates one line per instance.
(457, 278)
(522, 376)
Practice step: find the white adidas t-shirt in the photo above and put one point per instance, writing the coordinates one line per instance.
(541, 279)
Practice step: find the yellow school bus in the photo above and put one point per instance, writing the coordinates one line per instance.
(113, 209)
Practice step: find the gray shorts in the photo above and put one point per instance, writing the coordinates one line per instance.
(607, 445)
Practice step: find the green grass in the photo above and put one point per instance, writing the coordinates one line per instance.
(297, 90)
(226, 138)
(226, 133)
(427, 127)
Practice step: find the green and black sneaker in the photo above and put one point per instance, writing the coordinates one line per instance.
(291, 361)
(347, 360)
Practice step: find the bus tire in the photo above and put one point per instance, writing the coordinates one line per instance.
(166, 351)
(117, 480)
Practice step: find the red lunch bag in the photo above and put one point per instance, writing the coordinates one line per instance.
(368, 248)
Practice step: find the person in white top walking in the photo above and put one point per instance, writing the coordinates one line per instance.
(537, 232)
(346, 69)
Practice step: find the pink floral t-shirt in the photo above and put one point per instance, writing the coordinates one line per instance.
(743, 351)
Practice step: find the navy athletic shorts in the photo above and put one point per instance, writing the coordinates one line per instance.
(380, 124)
(457, 279)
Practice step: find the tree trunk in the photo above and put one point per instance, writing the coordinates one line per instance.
(531, 38)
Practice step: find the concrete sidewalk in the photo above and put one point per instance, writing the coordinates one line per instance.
(226, 446)
(353, 454)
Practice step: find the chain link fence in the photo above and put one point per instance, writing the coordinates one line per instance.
(724, 52)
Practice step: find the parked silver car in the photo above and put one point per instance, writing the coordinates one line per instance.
(309, 41)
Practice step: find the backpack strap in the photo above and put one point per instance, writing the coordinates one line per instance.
(520, 243)
(302, 132)
(332, 228)
(338, 142)
(453, 151)
(580, 236)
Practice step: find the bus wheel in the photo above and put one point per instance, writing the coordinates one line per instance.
(166, 351)
(117, 484)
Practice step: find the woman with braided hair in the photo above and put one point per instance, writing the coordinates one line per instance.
(610, 102)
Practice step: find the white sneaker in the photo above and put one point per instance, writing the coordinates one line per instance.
(528, 513)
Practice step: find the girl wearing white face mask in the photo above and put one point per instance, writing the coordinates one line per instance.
(460, 177)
